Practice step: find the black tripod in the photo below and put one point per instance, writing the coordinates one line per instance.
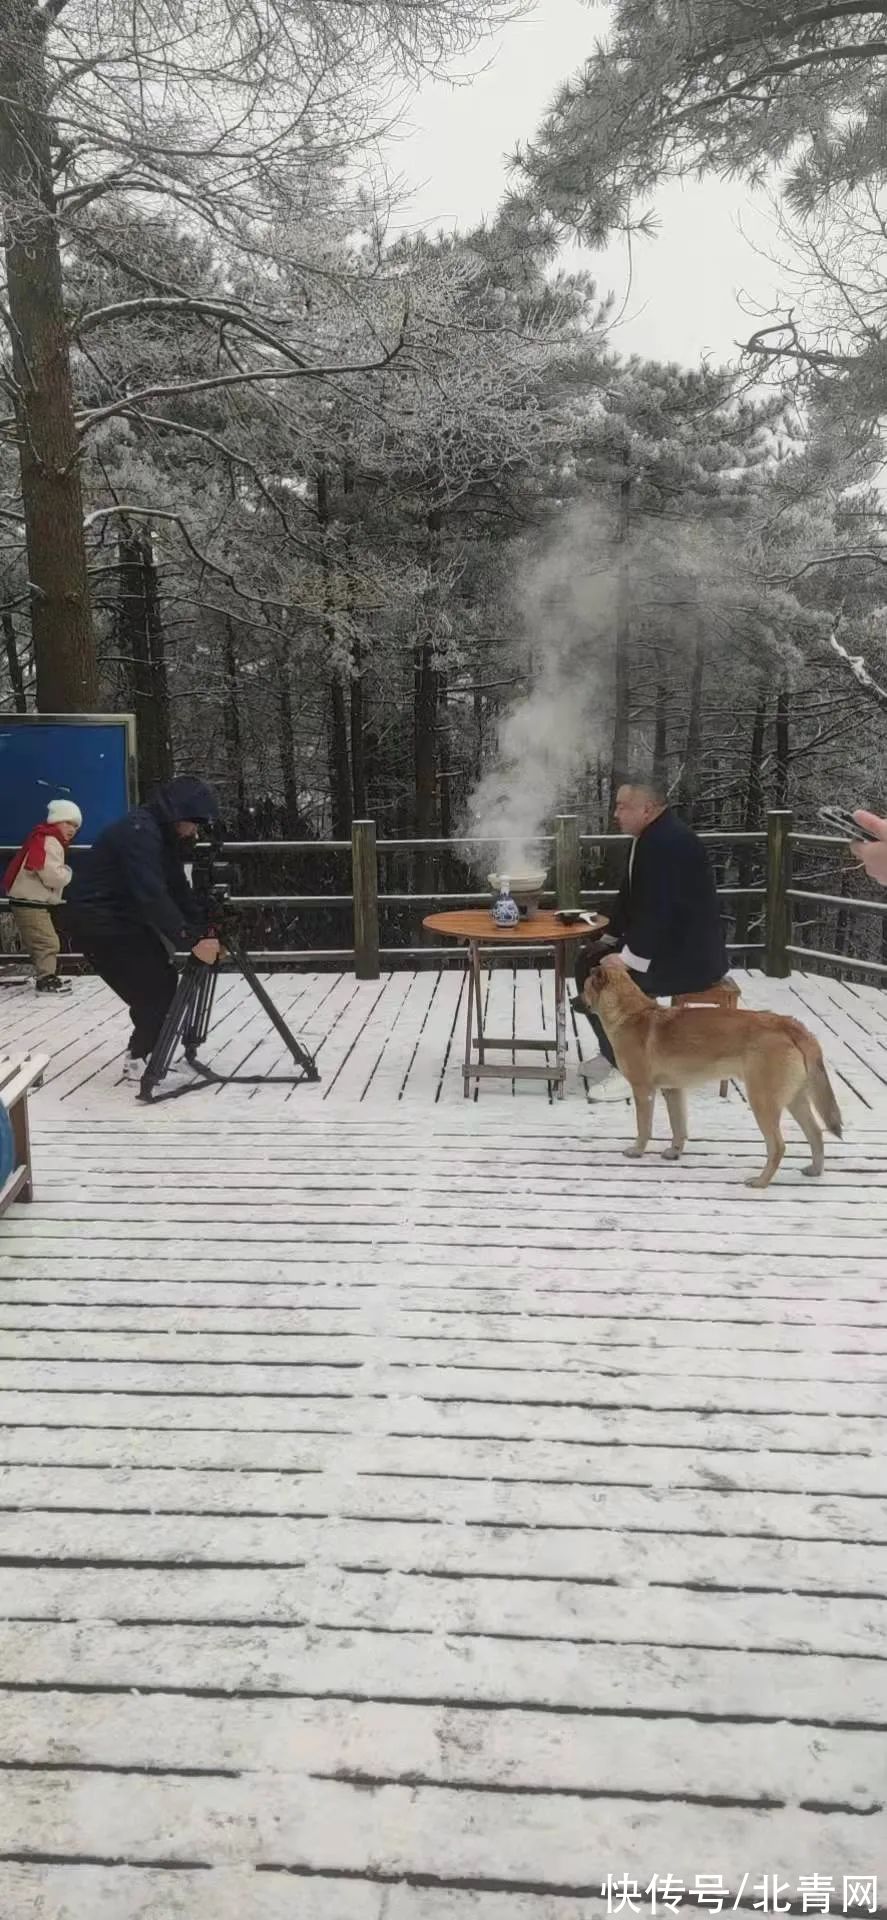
(189, 1019)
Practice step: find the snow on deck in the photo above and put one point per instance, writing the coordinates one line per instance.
(398, 1040)
(413, 1511)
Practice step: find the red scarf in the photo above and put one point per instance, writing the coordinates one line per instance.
(33, 854)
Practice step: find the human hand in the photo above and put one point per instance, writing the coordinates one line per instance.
(872, 854)
(207, 950)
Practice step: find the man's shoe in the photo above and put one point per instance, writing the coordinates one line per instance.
(603, 1081)
(615, 1091)
(178, 1073)
(54, 983)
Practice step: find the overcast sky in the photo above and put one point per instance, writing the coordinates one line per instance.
(689, 285)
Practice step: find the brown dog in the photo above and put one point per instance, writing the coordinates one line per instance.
(668, 1049)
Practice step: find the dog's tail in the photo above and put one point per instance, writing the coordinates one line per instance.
(819, 1086)
(823, 1096)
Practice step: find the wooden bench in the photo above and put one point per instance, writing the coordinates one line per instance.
(17, 1077)
(724, 993)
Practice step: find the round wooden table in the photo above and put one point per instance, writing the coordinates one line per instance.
(476, 927)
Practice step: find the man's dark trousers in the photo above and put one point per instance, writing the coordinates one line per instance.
(134, 963)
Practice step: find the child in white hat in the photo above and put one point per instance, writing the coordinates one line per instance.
(35, 881)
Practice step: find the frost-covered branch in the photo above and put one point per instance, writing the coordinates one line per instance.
(856, 666)
(215, 382)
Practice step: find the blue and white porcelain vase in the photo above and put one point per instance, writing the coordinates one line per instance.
(505, 911)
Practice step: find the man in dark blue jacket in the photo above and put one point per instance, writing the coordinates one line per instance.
(666, 923)
(131, 906)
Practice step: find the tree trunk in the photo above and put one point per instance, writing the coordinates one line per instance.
(692, 768)
(231, 723)
(338, 757)
(479, 733)
(425, 756)
(14, 665)
(338, 761)
(140, 645)
(357, 715)
(129, 626)
(660, 725)
(160, 703)
(358, 733)
(753, 811)
(446, 773)
(286, 742)
(424, 762)
(64, 645)
(377, 804)
(622, 663)
(425, 714)
(780, 787)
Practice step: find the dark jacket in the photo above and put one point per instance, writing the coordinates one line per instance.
(135, 872)
(668, 913)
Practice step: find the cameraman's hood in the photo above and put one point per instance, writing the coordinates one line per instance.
(185, 799)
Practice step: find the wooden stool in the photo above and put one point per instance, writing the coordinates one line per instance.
(724, 993)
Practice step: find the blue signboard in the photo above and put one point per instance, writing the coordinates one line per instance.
(89, 758)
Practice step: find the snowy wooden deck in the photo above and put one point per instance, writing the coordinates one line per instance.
(413, 1511)
(399, 1039)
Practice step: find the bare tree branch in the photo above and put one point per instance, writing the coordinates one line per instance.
(175, 307)
(126, 511)
(86, 420)
(857, 667)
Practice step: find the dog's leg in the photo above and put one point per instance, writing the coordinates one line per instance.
(644, 1099)
(801, 1109)
(767, 1109)
(676, 1103)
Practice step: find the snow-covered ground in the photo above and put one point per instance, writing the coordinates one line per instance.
(413, 1511)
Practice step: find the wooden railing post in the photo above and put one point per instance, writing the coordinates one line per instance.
(778, 916)
(365, 890)
(566, 859)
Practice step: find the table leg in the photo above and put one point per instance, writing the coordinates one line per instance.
(479, 1005)
(473, 966)
(560, 1013)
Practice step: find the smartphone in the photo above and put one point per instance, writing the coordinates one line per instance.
(843, 823)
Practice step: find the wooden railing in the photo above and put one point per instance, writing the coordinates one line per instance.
(776, 847)
(562, 850)
(785, 949)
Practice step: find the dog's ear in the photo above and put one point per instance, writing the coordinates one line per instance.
(598, 980)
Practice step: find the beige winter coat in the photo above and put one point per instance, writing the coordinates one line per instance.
(43, 889)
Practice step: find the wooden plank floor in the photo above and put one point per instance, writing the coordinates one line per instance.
(399, 1040)
(411, 1510)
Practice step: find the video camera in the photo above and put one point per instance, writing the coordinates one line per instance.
(188, 1019)
(213, 879)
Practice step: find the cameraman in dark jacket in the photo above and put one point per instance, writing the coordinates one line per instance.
(666, 921)
(131, 905)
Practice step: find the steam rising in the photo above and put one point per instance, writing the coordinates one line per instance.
(565, 606)
(564, 609)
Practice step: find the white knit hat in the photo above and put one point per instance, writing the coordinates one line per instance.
(61, 813)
